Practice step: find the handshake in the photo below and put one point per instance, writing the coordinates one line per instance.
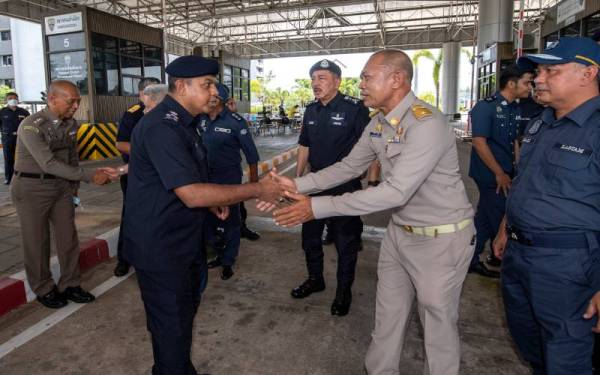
(105, 175)
(280, 195)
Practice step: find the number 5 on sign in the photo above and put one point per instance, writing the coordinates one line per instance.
(66, 43)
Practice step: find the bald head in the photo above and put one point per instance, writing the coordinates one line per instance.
(395, 60)
(63, 98)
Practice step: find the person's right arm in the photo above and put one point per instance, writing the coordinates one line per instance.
(481, 121)
(302, 160)
(126, 125)
(499, 244)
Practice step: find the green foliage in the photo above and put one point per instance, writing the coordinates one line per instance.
(3, 91)
(437, 65)
(427, 97)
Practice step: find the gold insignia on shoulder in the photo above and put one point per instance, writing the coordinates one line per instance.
(133, 108)
(394, 121)
(420, 112)
(373, 113)
(378, 127)
(30, 128)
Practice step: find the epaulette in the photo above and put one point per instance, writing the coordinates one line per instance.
(133, 108)
(350, 99)
(237, 116)
(373, 113)
(490, 99)
(313, 102)
(420, 111)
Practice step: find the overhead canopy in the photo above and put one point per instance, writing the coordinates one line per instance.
(278, 28)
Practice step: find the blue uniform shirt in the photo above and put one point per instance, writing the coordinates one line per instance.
(128, 121)
(161, 233)
(497, 120)
(224, 137)
(557, 186)
(10, 120)
(331, 131)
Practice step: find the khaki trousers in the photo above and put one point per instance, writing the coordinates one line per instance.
(432, 269)
(40, 203)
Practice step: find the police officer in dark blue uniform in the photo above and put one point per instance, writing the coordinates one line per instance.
(167, 190)
(128, 121)
(551, 232)
(224, 134)
(10, 118)
(494, 123)
(332, 124)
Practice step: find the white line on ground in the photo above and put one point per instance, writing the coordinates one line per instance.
(50, 321)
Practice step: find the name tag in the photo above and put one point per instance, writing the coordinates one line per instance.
(222, 130)
(374, 135)
(529, 140)
(574, 149)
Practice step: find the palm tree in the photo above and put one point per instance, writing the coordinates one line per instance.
(437, 65)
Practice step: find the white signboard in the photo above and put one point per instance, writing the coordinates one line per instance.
(64, 23)
(567, 9)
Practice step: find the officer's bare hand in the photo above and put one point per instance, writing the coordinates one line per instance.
(298, 213)
(270, 191)
(100, 177)
(594, 309)
(112, 173)
(504, 182)
(499, 244)
(286, 183)
(221, 212)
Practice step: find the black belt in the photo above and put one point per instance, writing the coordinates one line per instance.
(557, 240)
(41, 176)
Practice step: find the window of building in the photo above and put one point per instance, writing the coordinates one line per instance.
(573, 29)
(6, 60)
(5, 35)
(591, 24)
(7, 82)
(237, 81)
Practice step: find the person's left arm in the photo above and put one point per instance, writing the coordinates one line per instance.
(249, 149)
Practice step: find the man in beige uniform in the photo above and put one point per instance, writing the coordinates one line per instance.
(426, 249)
(47, 176)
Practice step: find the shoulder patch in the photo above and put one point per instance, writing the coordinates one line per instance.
(236, 116)
(420, 112)
(172, 115)
(30, 128)
(351, 99)
(373, 113)
(134, 108)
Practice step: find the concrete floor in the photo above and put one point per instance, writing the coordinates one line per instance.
(250, 325)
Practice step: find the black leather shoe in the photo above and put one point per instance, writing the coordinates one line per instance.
(249, 234)
(78, 295)
(341, 303)
(53, 299)
(481, 269)
(226, 272)
(493, 261)
(216, 262)
(121, 269)
(308, 287)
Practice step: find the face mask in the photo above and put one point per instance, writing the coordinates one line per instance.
(13, 102)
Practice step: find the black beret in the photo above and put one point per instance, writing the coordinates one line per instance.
(326, 65)
(192, 66)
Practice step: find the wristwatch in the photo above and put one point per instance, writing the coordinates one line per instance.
(121, 170)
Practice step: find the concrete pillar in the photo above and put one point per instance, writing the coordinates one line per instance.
(449, 89)
(495, 22)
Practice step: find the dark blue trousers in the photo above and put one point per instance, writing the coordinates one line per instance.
(346, 232)
(9, 146)
(490, 211)
(546, 291)
(171, 299)
(230, 227)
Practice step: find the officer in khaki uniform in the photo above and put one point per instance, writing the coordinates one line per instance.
(426, 250)
(47, 176)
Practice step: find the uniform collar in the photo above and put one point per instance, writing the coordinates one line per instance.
(333, 103)
(502, 100)
(184, 116)
(579, 115)
(399, 110)
(52, 117)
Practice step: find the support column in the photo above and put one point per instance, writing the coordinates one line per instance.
(449, 91)
(495, 22)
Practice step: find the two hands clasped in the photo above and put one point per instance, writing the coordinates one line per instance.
(280, 195)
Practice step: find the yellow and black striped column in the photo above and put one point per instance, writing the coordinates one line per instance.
(97, 141)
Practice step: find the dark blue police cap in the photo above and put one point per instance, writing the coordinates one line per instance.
(565, 50)
(192, 66)
(223, 92)
(326, 65)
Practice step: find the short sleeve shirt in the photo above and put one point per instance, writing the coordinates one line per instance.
(330, 131)
(128, 121)
(11, 120)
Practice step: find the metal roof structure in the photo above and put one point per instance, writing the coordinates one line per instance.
(279, 28)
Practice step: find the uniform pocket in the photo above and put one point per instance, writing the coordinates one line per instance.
(568, 170)
(394, 149)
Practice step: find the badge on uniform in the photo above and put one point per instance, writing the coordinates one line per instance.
(338, 118)
(222, 130)
(397, 138)
(243, 131)
(378, 130)
(498, 109)
(535, 127)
